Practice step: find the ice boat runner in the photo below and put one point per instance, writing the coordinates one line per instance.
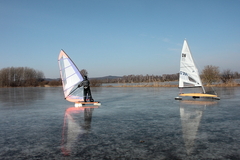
(71, 78)
(189, 76)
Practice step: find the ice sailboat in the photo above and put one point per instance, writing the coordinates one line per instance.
(71, 78)
(189, 76)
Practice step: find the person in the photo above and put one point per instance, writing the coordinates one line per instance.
(86, 89)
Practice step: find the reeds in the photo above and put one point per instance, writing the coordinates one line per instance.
(155, 84)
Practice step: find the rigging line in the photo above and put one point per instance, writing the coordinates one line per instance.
(68, 76)
(72, 91)
(64, 68)
(71, 61)
(214, 90)
(71, 86)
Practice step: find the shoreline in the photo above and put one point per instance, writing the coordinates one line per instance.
(128, 85)
(169, 85)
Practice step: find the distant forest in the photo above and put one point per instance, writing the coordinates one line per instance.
(24, 77)
(20, 77)
(28, 77)
(140, 78)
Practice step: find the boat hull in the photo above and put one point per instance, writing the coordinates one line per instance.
(198, 95)
(80, 104)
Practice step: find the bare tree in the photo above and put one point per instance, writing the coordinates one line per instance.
(210, 74)
(84, 72)
(4, 80)
(236, 75)
(40, 76)
(20, 76)
(227, 76)
(95, 82)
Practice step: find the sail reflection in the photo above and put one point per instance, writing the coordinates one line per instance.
(191, 113)
(77, 121)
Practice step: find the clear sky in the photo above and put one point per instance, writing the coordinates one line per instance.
(119, 37)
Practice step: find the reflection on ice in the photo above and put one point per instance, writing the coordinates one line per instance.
(134, 123)
(22, 96)
(191, 112)
(77, 121)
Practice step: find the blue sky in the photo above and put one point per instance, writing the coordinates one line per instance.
(110, 37)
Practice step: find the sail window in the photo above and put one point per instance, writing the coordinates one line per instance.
(185, 84)
(192, 80)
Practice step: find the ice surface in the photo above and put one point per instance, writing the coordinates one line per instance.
(131, 123)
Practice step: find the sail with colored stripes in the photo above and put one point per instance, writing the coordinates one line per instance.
(188, 76)
(71, 78)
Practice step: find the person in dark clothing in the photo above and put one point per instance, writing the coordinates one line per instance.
(86, 89)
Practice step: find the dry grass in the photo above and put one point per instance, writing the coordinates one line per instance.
(144, 85)
(231, 84)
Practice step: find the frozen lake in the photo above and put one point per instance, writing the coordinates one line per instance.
(131, 123)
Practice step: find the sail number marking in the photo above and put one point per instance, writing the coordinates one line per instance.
(183, 73)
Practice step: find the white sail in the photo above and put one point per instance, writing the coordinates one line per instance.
(71, 77)
(188, 76)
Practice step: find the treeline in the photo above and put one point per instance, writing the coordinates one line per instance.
(27, 77)
(142, 79)
(20, 77)
(211, 74)
(51, 82)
